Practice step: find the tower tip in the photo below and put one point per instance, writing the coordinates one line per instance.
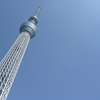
(34, 18)
(38, 11)
(40, 7)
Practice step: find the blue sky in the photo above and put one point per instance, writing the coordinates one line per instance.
(62, 62)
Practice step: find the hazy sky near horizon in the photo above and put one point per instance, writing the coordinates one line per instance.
(62, 62)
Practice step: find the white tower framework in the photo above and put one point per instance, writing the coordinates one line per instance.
(11, 62)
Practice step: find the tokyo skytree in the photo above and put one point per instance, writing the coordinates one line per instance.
(10, 63)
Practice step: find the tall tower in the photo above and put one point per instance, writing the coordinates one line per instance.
(11, 62)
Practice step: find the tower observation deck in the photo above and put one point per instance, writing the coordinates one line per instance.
(11, 61)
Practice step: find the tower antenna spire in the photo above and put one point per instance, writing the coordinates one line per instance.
(38, 11)
(34, 19)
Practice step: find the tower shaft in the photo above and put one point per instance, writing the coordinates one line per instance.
(11, 62)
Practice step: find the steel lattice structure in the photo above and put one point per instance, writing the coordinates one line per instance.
(11, 62)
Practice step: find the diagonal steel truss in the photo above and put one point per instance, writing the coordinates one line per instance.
(11, 62)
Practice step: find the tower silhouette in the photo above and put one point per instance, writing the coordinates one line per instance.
(11, 61)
